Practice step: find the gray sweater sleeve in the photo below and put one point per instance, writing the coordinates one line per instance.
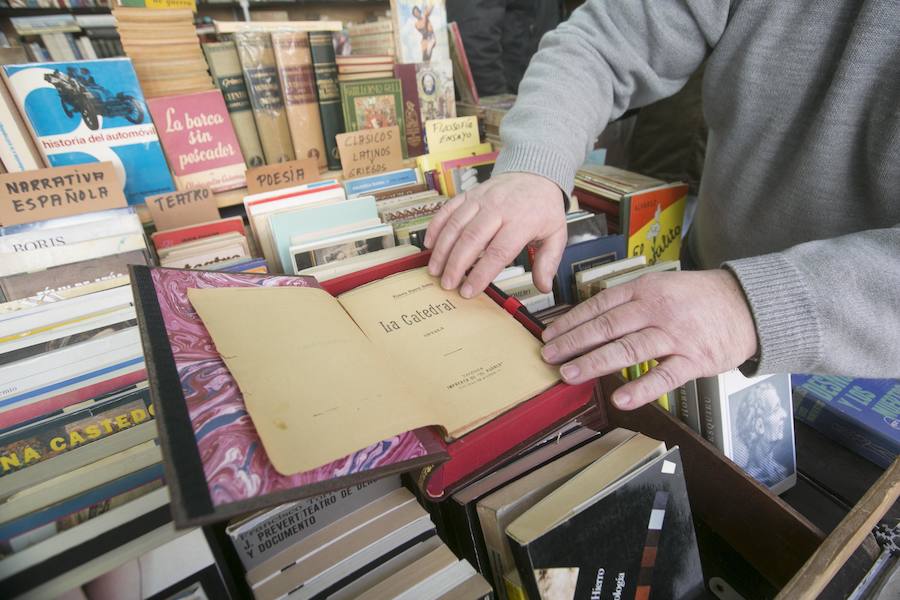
(608, 57)
(827, 306)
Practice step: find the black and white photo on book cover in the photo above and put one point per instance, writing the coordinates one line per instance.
(762, 431)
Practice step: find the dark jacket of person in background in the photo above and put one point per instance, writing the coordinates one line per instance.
(500, 36)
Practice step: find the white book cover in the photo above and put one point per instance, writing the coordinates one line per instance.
(45, 258)
(32, 240)
(23, 322)
(17, 151)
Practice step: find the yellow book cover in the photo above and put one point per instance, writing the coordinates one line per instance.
(654, 222)
(433, 160)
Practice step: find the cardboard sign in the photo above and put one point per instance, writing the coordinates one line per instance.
(370, 151)
(282, 175)
(42, 194)
(451, 134)
(177, 209)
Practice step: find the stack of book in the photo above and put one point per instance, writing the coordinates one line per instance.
(365, 66)
(165, 49)
(370, 541)
(572, 513)
(80, 462)
(220, 245)
(490, 111)
(59, 37)
(375, 37)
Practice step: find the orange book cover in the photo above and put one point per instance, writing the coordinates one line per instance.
(655, 220)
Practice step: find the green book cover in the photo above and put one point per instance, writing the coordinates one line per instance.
(373, 104)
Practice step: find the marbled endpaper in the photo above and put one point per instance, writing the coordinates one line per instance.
(234, 461)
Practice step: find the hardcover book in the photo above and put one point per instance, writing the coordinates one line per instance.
(92, 111)
(861, 414)
(215, 464)
(225, 67)
(412, 112)
(631, 538)
(434, 82)
(325, 69)
(468, 361)
(199, 141)
(373, 104)
(261, 76)
(298, 84)
(420, 30)
(582, 256)
(462, 73)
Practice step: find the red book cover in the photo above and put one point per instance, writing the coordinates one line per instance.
(199, 140)
(412, 113)
(475, 453)
(461, 61)
(173, 237)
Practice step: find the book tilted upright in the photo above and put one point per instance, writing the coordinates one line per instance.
(298, 84)
(621, 528)
(215, 464)
(225, 67)
(92, 111)
(373, 104)
(412, 113)
(17, 149)
(434, 82)
(261, 76)
(420, 31)
(325, 69)
(861, 414)
(199, 141)
(421, 356)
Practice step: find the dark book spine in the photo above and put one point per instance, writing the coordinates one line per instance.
(412, 112)
(325, 68)
(525, 569)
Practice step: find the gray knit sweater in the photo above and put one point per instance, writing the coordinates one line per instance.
(800, 195)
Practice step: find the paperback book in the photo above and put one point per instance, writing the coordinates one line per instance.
(199, 141)
(373, 104)
(92, 111)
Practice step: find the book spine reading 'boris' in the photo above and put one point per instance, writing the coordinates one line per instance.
(326, 72)
(226, 71)
(298, 84)
(261, 75)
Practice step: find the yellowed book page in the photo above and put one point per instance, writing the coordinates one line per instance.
(469, 360)
(314, 386)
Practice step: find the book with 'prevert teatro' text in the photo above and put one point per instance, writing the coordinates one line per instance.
(92, 111)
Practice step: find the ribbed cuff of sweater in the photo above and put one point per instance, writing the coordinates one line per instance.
(786, 323)
(539, 160)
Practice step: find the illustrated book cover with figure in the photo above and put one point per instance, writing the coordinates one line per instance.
(216, 467)
(420, 31)
(92, 111)
(373, 104)
(632, 539)
(751, 421)
(434, 82)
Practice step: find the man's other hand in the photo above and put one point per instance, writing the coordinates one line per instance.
(696, 324)
(489, 225)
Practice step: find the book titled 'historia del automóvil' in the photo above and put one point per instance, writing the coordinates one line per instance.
(92, 111)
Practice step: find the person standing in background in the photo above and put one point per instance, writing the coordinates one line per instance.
(501, 36)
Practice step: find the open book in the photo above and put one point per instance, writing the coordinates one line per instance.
(322, 376)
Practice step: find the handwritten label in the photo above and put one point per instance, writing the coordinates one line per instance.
(451, 134)
(370, 151)
(41, 194)
(177, 209)
(282, 175)
(191, 4)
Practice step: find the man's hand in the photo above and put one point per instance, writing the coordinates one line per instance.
(696, 324)
(494, 221)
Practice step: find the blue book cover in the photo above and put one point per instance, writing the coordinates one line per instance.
(317, 218)
(861, 414)
(367, 185)
(585, 255)
(93, 111)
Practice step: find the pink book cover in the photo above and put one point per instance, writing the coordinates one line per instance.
(216, 466)
(199, 141)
